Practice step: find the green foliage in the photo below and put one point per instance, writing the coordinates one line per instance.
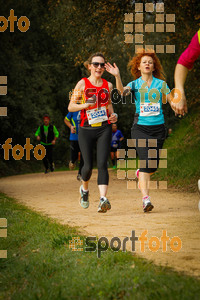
(44, 64)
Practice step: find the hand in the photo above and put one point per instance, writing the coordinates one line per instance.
(53, 142)
(91, 101)
(114, 70)
(180, 107)
(90, 104)
(113, 118)
(73, 129)
(38, 138)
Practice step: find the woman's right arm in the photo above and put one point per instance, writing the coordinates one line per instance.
(114, 70)
(76, 98)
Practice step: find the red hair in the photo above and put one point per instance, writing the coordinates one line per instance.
(134, 64)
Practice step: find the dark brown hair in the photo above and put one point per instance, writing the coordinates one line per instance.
(89, 61)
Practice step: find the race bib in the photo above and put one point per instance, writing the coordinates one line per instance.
(149, 109)
(97, 115)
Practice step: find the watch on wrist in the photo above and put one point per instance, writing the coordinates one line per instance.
(116, 115)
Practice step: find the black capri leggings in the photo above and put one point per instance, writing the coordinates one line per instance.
(74, 151)
(149, 140)
(87, 138)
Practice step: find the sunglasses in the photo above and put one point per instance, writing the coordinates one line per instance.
(96, 64)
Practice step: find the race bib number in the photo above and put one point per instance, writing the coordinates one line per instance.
(149, 109)
(97, 115)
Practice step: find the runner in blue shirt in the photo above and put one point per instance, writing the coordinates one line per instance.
(148, 132)
(72, 121)
(117, 138)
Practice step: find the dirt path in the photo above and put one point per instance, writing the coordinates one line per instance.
(57, 194)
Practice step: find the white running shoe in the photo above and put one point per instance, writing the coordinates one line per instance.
(104, 205)
(84, 201)
(147, 205)
(199, 185)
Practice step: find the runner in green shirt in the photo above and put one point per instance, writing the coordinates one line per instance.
(47, 134)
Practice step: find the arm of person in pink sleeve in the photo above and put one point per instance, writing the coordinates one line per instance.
(190, 55)
(184, 64)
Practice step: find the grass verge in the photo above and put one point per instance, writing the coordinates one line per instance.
(40, 265)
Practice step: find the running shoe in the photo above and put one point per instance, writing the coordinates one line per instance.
(79, 178)
(84, 201)
(114, 167)
(46, 171)
(104, 205)
(71, 165)
(147, 205)
(199, 185)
